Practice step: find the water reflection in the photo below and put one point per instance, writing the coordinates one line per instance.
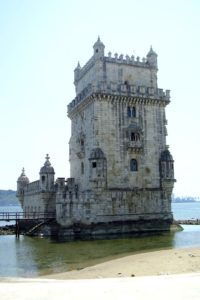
(30, 257)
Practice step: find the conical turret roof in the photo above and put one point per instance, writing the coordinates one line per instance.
(47, 168)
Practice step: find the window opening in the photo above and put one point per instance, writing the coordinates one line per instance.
(133, 165)
(43, 179)
(129, 112)
(94, 164)
(133, 112)
(135, 136)
(82, 168)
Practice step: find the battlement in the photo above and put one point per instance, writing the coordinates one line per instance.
(32, 187)
(118, 59)
(118, 69)
(121, 59)
(113, 89)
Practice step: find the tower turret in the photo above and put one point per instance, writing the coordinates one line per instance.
(98, 49)
(22, 182)
(152, 58)
(166, 165)
(77, 74)
(47, 176)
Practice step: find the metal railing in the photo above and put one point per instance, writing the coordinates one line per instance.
(12, 216)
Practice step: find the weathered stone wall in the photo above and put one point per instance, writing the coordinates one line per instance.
(115, 71)
(111, 206)
(105, 124)
(39, 202)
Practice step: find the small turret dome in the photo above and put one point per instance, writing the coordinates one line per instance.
(98, 48)
(98, 43)
(152, 58)
(151, 52)
(166, 156)
(23, 178)
(47, 168)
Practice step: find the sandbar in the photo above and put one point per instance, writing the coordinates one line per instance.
(162, 262)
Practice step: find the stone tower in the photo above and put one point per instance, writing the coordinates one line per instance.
(118, 154)
(122, 172)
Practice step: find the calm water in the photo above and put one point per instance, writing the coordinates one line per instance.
(30, 257)
(189, 210)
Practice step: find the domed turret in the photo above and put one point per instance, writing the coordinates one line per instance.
(47, 168)
(166, 165)
(98, 49)
(23, 179)
(166, 156)
(47, 175)
(152, 58)
(22, 182)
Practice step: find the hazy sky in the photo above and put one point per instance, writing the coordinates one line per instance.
(41, 42)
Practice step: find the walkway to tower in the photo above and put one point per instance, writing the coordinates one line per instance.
(34, 216)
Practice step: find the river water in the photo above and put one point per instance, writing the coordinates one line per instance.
(34, 256)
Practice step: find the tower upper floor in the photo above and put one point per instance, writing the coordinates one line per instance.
(117, 75)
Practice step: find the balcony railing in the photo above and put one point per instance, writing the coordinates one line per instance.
(135, 145)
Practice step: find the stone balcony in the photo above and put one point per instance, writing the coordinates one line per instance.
(136, 146)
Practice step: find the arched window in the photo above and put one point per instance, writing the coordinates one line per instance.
(131, 111)
(133, 165)
(134, 136)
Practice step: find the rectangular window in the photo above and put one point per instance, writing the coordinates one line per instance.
(82, 168)
(133, 112)
(94, 164)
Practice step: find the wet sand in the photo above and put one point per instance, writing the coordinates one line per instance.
(163, 262)
(176, 277)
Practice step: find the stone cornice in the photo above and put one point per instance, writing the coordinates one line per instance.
(78, 106)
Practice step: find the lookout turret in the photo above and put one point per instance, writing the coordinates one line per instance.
(152, 58)
(47, 176)
(22, 182)
(98, 49)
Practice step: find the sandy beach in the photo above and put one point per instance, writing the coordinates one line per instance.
(166, 274)
(163, 262)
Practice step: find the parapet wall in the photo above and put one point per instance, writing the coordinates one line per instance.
(117, 59)
(32, 187)
(121, 90)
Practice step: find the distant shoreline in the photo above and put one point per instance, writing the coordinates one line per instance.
(184, 201)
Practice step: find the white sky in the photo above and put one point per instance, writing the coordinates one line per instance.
(41, 42)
